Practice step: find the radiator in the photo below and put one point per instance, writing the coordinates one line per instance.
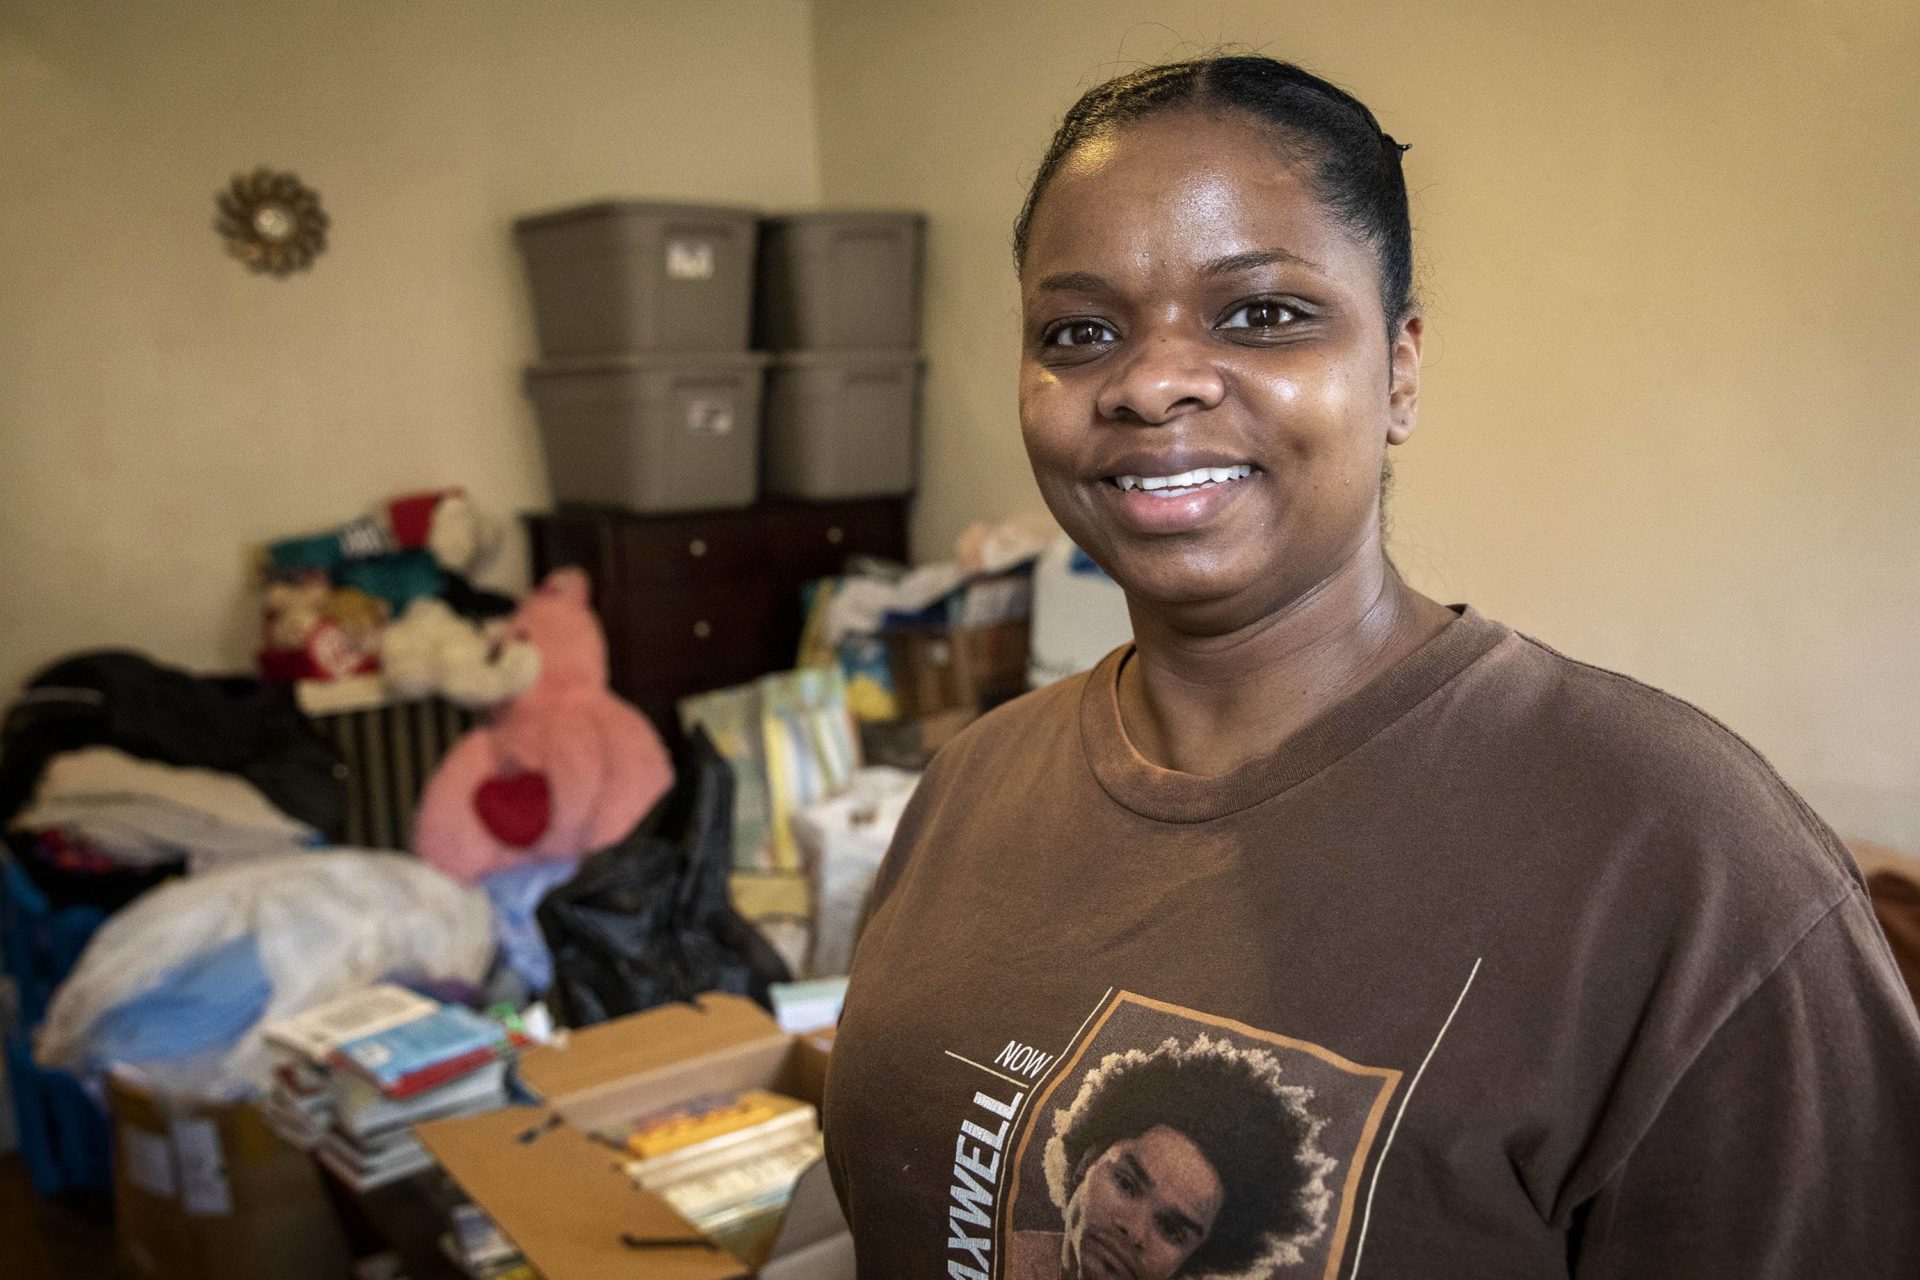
(390, 750)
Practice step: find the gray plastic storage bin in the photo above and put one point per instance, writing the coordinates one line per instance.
(842, 424)
(652, 433)
(629, 276)
(839, 280)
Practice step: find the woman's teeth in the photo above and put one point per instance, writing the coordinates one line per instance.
(1184, 483)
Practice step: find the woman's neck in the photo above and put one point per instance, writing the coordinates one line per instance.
(1206, 704)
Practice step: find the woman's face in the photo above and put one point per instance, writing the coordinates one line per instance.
(1141, 1210)
(1206, 382)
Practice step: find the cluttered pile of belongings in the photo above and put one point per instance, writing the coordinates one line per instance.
(171, 885)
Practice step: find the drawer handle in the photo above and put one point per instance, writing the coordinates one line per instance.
(835, 535)
(702, 629)
(697, 547)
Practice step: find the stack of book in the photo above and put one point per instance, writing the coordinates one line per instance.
(725, 1162)
(358, 1073)
(479, 1250)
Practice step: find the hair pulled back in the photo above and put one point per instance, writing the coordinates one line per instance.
(1353, 164)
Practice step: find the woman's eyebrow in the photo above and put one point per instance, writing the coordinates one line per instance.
(1234, 262)
(1090, 282)
(1075, 282)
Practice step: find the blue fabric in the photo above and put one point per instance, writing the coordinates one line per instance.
(515, 894)
(62, 1132)
(39, 942)
(200, 1005)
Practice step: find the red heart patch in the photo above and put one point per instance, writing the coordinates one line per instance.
(514, 807)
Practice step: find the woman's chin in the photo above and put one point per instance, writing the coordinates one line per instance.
(1188, 591)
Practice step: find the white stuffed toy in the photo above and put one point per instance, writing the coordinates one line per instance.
(433, 651)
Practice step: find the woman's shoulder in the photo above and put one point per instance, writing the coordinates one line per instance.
(1611, 747)
(1565, 705)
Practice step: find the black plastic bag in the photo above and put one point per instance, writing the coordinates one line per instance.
(648, 921)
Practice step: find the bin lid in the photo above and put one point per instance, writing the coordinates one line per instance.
(852, 217)
(646, 361)
(832, 358)
(632, 208)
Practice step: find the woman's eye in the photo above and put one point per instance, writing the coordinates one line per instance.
(1080, 333)
(1265, 314)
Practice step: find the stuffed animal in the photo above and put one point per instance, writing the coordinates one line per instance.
(442, 522)
(312, 631)
(432, 651)
(564, 769)
(461, 537)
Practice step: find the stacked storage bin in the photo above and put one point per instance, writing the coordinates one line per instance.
(647, 395)
(839, 307)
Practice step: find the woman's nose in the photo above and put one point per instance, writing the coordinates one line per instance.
(1163, 378)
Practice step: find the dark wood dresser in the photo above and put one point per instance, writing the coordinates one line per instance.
(698, 602)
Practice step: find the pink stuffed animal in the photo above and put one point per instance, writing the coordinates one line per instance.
(564, 769)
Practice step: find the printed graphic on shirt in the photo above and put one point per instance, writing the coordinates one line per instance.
(1170, 1143)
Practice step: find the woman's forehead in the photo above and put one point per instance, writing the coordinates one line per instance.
(1180, 191)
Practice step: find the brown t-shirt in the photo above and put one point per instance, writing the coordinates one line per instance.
(1504, 967)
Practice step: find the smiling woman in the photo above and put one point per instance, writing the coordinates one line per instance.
(1573, 984)
(1231, 325)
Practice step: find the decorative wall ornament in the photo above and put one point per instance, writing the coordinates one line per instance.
(271, 222)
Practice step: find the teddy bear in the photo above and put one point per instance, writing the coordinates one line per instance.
(562, 770)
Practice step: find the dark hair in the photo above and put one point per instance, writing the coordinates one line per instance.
(1259, 1142)
(1353, 163)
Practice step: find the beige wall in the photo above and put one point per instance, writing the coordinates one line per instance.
(161, 409)
(1668, 255)
(1669, 264)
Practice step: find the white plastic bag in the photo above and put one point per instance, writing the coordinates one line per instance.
(844, 840)
(1079, 614)
(324, 924)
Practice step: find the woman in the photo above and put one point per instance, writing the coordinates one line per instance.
(1627, 1007)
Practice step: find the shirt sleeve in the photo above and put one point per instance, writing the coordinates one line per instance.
(1791, 1146)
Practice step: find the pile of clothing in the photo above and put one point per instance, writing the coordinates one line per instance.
(117, 773)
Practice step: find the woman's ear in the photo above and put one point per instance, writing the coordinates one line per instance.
(1403, 379)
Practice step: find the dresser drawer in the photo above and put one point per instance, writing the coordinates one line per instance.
(720, 632)
(808, 540)
(688, 549)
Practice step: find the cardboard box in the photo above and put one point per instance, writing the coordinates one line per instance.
(910, 743)
(969, 668)
(562, 1197)
(208, 1192)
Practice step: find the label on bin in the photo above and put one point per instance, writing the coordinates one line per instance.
(709, 417)
(689, 260)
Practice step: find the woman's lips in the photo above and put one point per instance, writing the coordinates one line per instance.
(1158, 512)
